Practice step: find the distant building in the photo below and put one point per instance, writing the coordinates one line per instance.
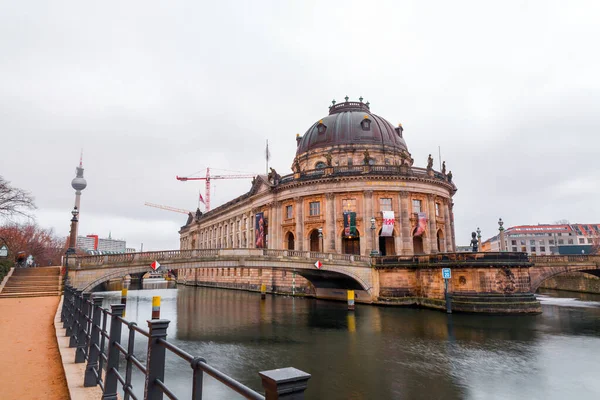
(130, 250)
(547, 239)
(95, 245)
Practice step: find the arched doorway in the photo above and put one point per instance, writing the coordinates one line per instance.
(418, 245)
(289, 239)
(314, 240)
(387, 244)
(351, 244)
(440, 241)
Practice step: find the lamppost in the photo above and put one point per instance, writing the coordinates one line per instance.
(501, 229)
(320, 230)
(72, 241)
(479, 239)
(374, 252)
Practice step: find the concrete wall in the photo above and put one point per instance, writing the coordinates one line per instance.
(573, 281)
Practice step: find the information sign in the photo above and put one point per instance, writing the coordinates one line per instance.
(446, 273)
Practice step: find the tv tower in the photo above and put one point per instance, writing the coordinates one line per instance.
(78, 183)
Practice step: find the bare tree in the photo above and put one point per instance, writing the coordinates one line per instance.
(14, 201)
(562, 222)
(30, 239)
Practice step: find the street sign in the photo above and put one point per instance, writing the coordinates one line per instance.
(3, 251)
(318, 264)
(446, 273)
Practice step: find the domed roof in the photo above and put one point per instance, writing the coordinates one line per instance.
(351, 123)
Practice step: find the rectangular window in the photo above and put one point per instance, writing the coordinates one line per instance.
(260, 272)
(513, 242)
(289, 212)
(533, 249)
(551, 242)
(570, 241)
(385, 204)
(542, 249)
(314, 208)
(349, 205)
(514, 248)
(560, 241)
(581, 241)
(522, 243)
(416, 205)
(532, 242)
(350, 161)
(437, 210)
(523, 249)
(590, 240)
(541, 242)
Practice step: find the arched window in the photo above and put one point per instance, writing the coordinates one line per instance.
(320, 165)
(321, 128)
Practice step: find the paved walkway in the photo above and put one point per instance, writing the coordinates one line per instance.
(30, 364)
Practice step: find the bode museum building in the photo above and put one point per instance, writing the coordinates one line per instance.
(354, 190)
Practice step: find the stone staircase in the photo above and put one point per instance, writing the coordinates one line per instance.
(33, 282)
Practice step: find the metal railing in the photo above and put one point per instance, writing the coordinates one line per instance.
(87, 325)
(453, 258)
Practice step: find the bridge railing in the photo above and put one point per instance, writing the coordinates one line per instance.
(96, 334)
(564, 258)
(149, 256)
(455, 258)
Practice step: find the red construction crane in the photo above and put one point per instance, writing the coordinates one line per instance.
(178, 210)
(208, 178)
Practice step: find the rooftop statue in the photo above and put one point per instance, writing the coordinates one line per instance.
(429, 162)
(474, 242)
(444, 167)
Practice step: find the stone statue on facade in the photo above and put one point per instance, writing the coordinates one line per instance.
(474, 242)
(296, 166)
(443, 167)
(367, 157)
(328, 158)
(198, 213)
(449, 176)
(273, 176)
(429, 162)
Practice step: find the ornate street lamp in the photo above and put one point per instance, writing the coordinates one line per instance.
(320, 230)
(479, 239)
(72, 240)
(374, 252)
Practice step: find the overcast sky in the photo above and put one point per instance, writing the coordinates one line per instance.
(510, 91)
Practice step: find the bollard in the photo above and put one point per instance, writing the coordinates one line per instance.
(263, 291)
(156, 307)
(284, 383)
(124, 300)
(447, 297)
(351, 300)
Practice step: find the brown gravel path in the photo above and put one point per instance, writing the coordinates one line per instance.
(30, 364)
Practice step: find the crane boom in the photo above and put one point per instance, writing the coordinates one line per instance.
(207, 180)
(178, 210)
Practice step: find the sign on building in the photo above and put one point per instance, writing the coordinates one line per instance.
(446, 273)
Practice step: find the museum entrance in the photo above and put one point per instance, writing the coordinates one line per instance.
(387, 245)
(351, 244)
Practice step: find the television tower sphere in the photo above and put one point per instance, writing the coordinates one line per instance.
(79, 183)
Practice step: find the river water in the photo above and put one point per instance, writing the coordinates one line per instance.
(378, 352)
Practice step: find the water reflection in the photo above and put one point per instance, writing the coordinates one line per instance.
(379, 352)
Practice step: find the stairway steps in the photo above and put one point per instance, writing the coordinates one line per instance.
(33, 282)
(20, 295)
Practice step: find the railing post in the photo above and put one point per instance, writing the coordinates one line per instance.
(155, 361)
(110, 380)
(81, 331)
(72, 328)
(285, 383)
(66, 301)
(90, 378)
(198, 375)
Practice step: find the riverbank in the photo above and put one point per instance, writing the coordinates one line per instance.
(30, 366)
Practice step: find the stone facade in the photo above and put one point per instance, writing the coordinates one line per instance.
(351, 161)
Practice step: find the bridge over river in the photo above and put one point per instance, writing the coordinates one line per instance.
(480, 282)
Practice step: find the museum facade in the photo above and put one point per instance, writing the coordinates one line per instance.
(354, 190)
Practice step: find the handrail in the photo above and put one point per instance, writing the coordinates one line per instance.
(86, 323)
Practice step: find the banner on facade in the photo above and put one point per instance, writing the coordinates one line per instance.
(387, 228)
(421, 224)
(349, 223)
(259, 231)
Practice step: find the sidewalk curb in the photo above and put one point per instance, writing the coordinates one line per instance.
(74, 373)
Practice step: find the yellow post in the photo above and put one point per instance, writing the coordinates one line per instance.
(156, 307)
(351, 300)
(263, 291)
(124, 299)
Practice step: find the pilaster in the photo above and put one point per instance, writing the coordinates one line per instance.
(405, 226)
(299, 223)
(329, 233)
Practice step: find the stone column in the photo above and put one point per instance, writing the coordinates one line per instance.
(448, 230)
(299, 244)
(278, 240)
(368, 234)
(451, 214)
(329, 233)
(432, 224)
(405, 227)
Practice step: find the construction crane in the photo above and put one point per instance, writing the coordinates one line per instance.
(178, 210)
(208, 178)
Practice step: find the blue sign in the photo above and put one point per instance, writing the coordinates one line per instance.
(446, 274)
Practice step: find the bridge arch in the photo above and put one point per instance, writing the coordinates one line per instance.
(538, 274)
